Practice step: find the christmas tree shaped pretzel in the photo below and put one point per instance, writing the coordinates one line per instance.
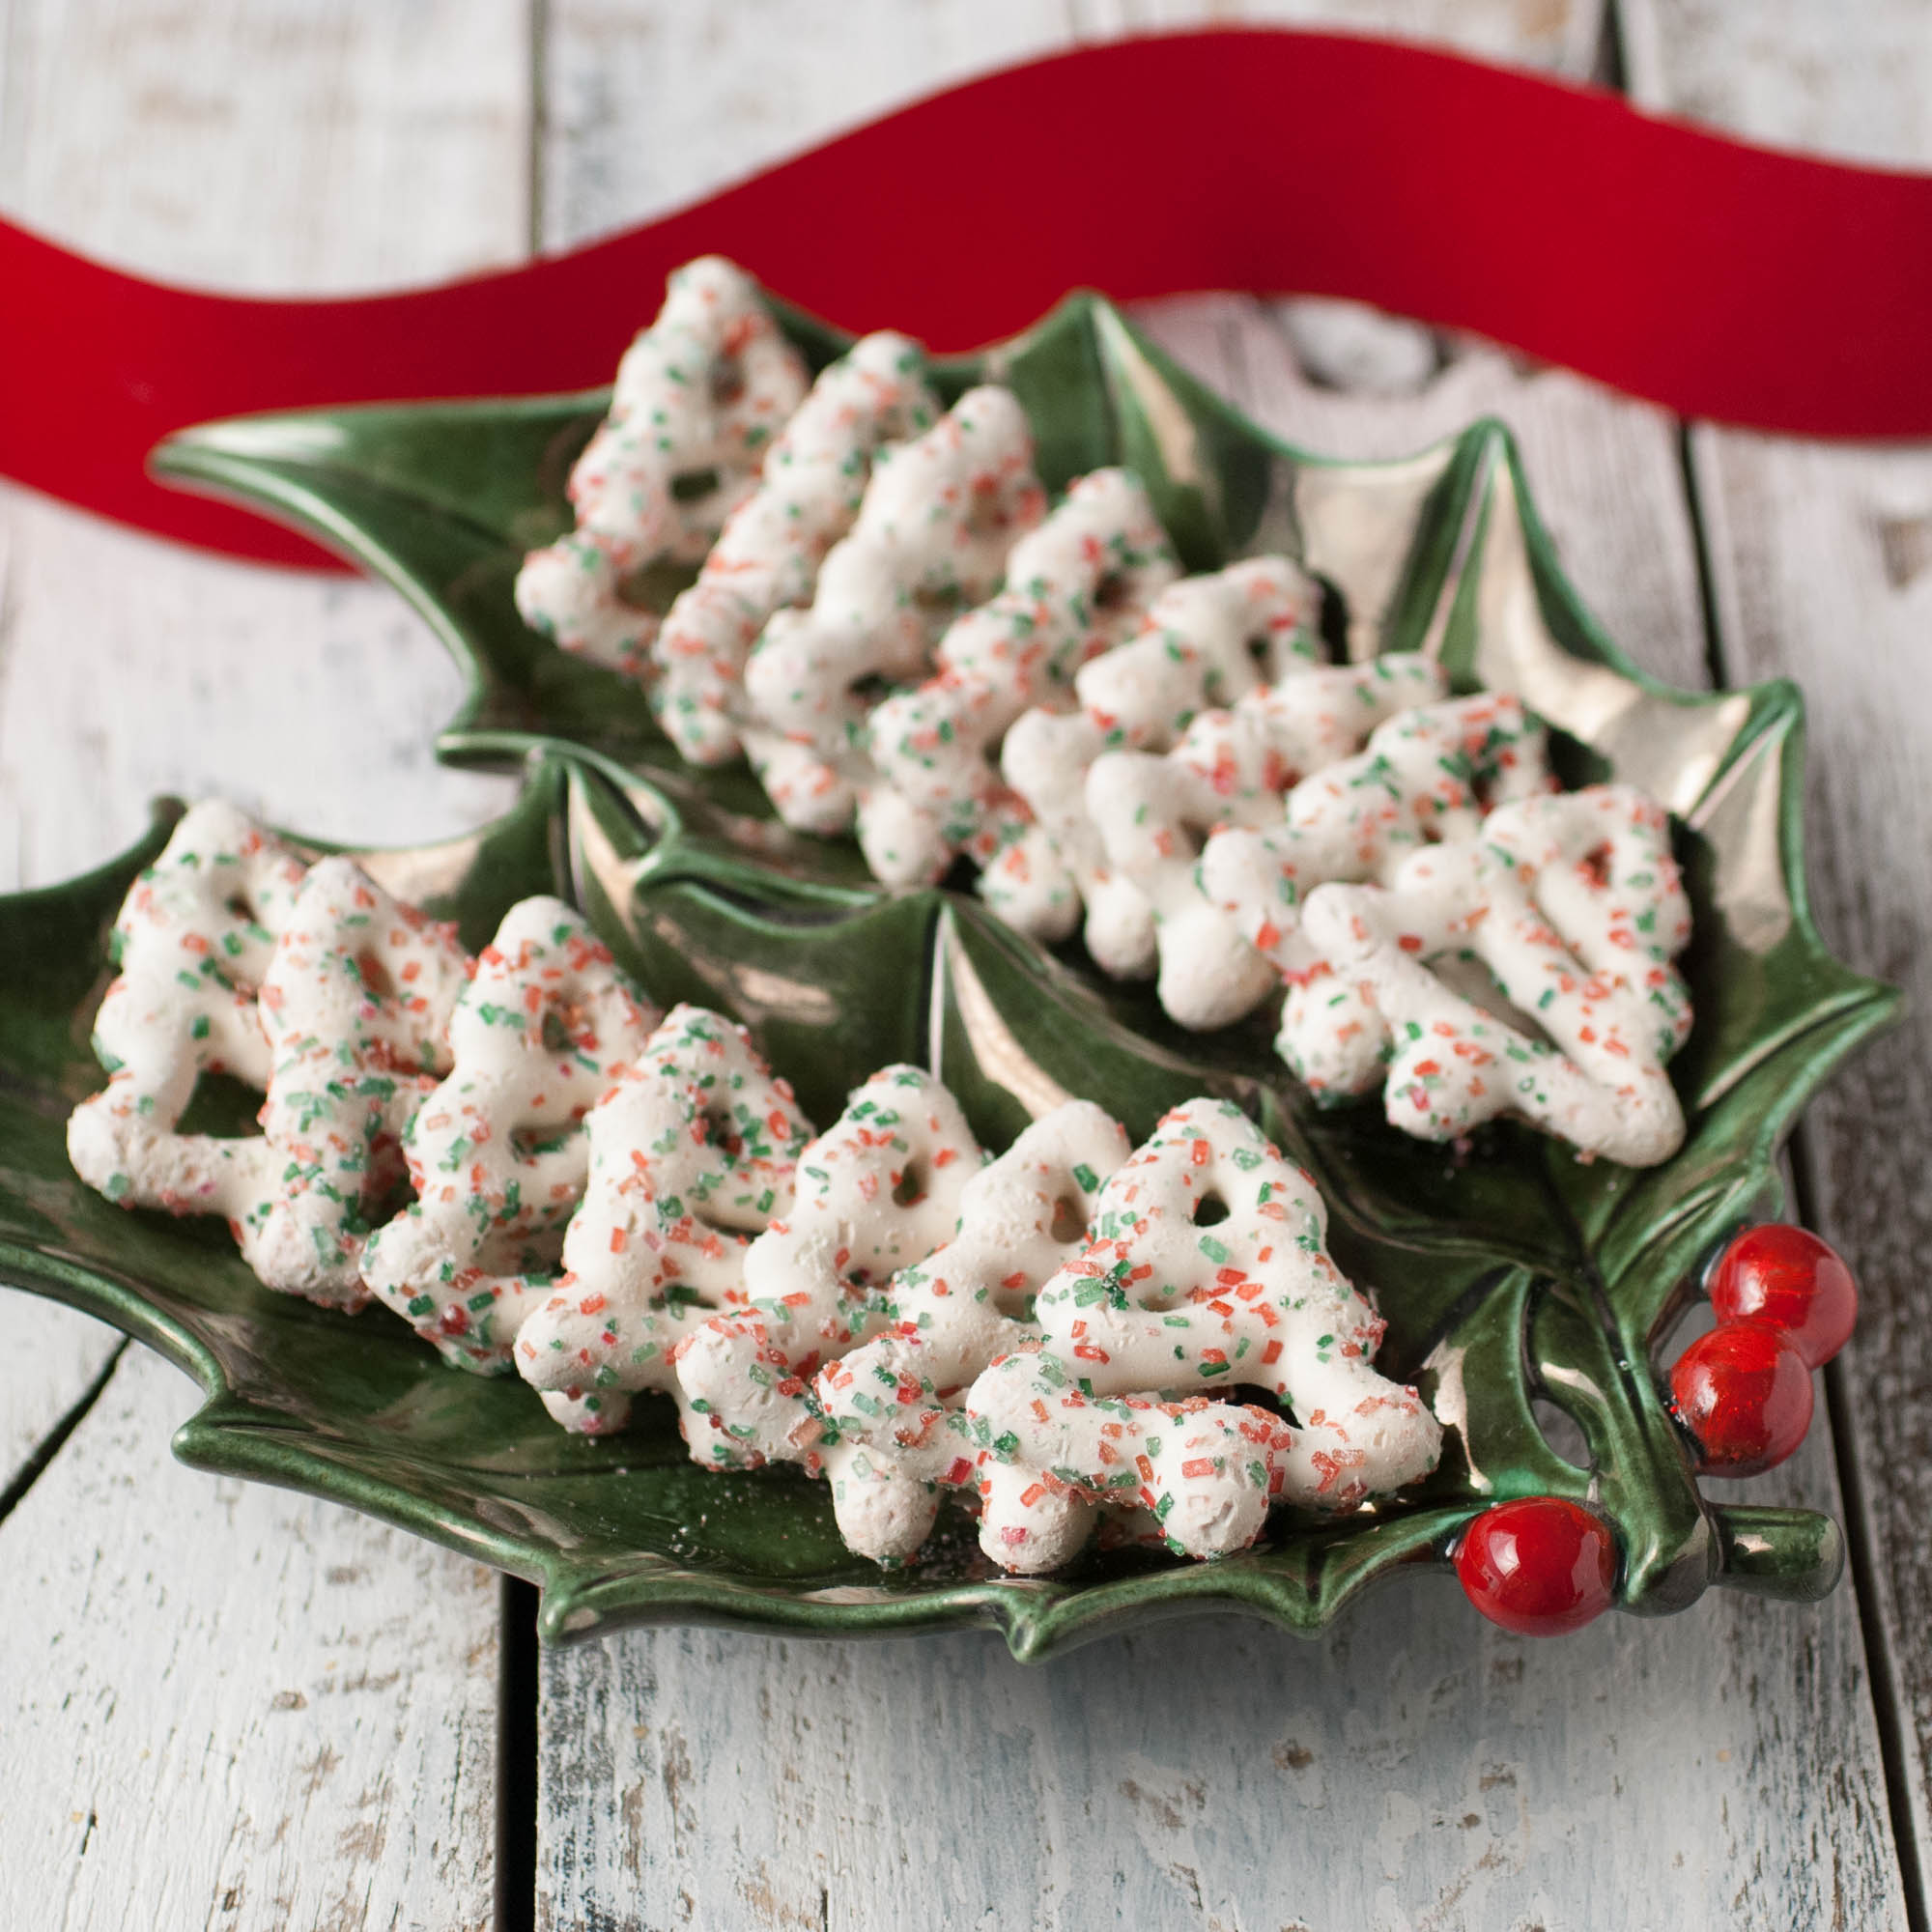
(894, 1432)
(497, 1153)
(692, 1153)
(1206, 1270)
(880, 1189)
(699, 397)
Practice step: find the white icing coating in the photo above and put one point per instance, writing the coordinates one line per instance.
(691, 1155)
(356, 1005)
(192, 943)
(699, 398)
(931, 536)
(1208, 641)
(895, 1432)
(1574, 906)
(1231, 768)
(1427, 775)
(1053, 1454)
(768, 555)
(497, 1153)
(1040, 882)
(878, 1190)
(1161, 1302)
(1074, 586)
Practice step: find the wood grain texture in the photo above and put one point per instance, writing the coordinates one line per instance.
(56, 1356)
(1414, 1768)
(130, 668)
(230, 1705)
(272, 146)
(1819, 561)
(272, 1713)
(1558, 35)
(1849, 81)
(649, 103)
(256, 145)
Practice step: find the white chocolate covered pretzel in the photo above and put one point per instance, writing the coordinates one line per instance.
(691, 1155)
(356, 1005)
(1573, 903)
(1165, 1301)
(699, 396)
(1074, 586)
(895, 1435)
(192, 943)
(1426, 775)
(497, 1153)
(1053, 1454)
(768, 555)
(931, 537)
(1205, 638)
(878, 1190)
(1232, 768)
(1041, 881)
(1208, 641)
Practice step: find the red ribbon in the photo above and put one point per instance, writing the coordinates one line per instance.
(1718, 279)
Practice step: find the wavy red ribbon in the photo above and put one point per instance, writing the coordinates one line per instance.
(1718, 279)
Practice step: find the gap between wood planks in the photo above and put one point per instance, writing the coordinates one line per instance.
(515, 1886)
(51, 1444)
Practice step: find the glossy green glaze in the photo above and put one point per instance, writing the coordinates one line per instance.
(1510, 1273)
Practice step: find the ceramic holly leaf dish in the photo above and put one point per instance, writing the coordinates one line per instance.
(445, 499)
(1511, 1274)
(625, 1527)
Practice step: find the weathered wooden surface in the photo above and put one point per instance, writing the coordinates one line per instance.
(1414, 1768)
(649, 103)
(69, 1353)
(1819, 562)
(230, 1705)
(1417, 1768)
(260, 145)
(270, 145)
(221, 1705)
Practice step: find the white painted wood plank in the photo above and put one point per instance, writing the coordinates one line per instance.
(254, 145)
(1819, 562)
(130, 668)
(274, 1712)
(272, 146)
(1414, 1768)
(55, 1355)
(1558, 35)
(233, 1706)
(1807, 74)
(650, 103)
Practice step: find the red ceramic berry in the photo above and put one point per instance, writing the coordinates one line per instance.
(1744, 1394)
(1787, 1279)
(1539, 1566)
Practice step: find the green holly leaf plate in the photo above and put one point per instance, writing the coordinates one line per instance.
(1514, 1279)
